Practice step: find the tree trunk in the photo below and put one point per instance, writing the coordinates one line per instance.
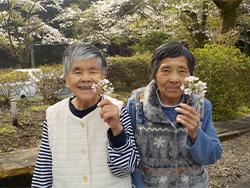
(228, 14)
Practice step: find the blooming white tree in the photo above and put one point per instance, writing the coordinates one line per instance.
(195, 22)
(106, 21)
(20, 24)
(188, 20)
(125, 19)
(69, 17)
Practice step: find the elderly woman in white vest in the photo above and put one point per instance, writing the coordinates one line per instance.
(175, 141)
(87, 141)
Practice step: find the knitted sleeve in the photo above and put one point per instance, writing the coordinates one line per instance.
(123, 159)
(42, 176)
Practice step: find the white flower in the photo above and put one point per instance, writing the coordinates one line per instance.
(200, 89)
(187, 91)
(191, 79)
(104, 85)
(196, 89)
(94, 86)
(200, 85)
(182, 87)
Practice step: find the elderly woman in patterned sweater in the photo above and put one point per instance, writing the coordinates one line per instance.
(87, 141)
(175, 140)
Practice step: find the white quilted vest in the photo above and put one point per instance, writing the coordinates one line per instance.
(79, 150)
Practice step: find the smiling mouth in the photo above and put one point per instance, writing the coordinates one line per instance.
(85, 87)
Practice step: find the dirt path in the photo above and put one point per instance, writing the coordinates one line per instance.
(234, 166)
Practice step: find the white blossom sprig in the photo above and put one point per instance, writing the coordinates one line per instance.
(104, 86)
(193, 87)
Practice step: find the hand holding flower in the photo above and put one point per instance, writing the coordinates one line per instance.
(188, 116)
(110, 114)
(109, 111)
(190, 119)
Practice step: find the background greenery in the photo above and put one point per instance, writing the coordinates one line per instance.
(132, 72)
(226, 72)
(128, 32)
(224, 68)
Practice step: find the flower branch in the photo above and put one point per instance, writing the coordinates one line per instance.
(194, 87)
(105, 87)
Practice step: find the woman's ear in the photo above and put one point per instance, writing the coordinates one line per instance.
(67, 81)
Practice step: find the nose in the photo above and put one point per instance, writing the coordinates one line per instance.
(85, 77)
(174, 78)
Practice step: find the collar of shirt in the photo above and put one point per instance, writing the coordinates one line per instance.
(81, 113)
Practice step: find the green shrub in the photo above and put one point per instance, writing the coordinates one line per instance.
(150, 40)
(226, 72)
(132, 72)
(49, 83)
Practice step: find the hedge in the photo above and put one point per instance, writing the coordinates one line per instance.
(225, 70)
(227, 73)
(132, 72)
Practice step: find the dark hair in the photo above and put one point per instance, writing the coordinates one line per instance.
(172, 50)
(81, 52)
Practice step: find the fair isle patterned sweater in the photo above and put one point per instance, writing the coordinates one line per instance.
(165, 160)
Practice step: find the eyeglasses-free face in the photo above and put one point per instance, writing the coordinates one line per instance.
(82, 75)
(169, 78)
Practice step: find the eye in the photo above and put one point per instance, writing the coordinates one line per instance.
(94, 69)
(183, 70)
(166, 70)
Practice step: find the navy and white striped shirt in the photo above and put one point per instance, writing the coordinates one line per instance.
(122, 159)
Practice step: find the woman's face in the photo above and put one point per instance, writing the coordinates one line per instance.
(169, 78)
(80, 78)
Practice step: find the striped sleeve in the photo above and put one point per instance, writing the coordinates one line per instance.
(42, 176)
(123, 160)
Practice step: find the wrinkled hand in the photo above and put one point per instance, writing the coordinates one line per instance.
(190, 119)
(110, 114)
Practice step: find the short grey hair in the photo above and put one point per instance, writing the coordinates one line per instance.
(82, 52)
